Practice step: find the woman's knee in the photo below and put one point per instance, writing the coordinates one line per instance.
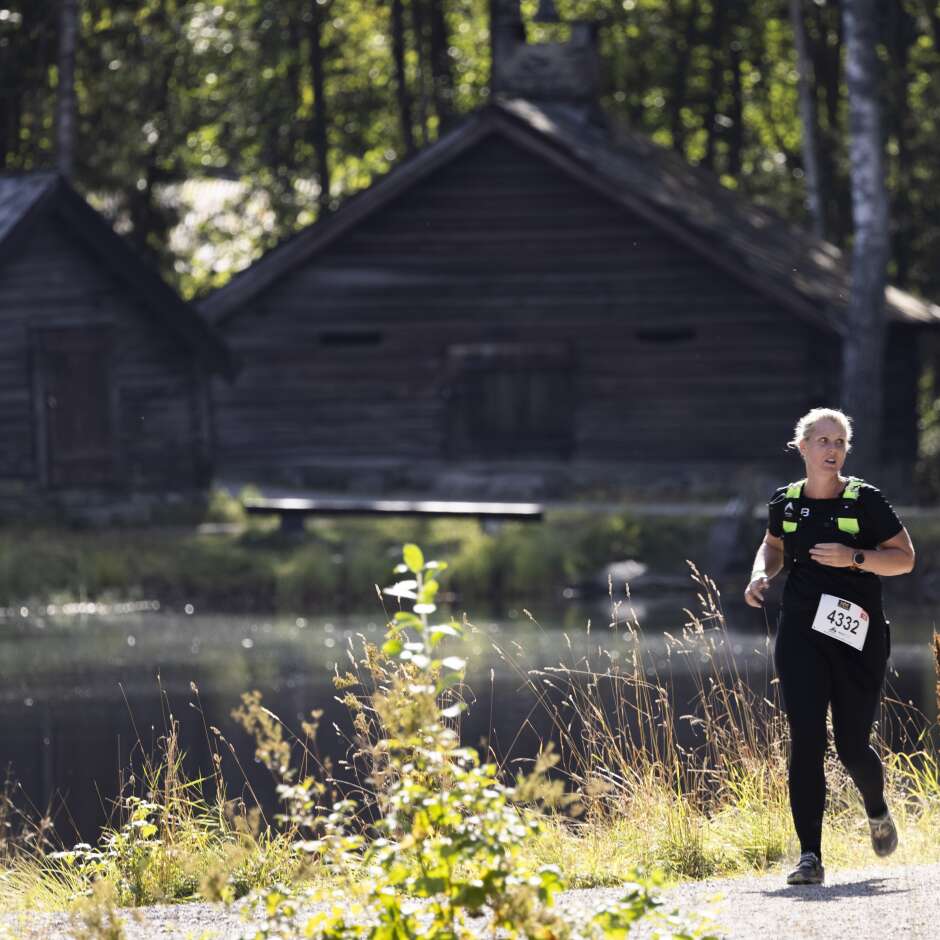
(808, 749)
(856, 753)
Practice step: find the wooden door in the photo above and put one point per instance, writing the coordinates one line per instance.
(76, 409)
(511, 400)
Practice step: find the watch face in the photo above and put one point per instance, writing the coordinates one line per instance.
(858, 558)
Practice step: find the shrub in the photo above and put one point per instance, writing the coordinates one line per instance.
(446, 846)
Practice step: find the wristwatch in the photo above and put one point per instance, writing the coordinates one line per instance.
(858, 559)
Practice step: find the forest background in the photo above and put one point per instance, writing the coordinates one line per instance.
(288, 106)
(177, 90)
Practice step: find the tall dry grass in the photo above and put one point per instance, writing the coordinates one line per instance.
(171, 836)
(678, 754)
(673, 746)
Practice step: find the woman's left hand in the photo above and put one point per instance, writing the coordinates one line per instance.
(834, 554)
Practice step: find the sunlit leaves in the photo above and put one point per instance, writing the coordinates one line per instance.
(440, 631)
(402, 589)
(226, 84)
(413, 557)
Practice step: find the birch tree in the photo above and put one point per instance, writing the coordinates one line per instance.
(863, 355)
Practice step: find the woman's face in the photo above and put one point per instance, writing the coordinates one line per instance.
(825, 447)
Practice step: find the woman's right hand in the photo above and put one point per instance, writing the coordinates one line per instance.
(754, 592)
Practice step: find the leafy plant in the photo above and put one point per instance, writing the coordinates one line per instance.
(171, 843)
(129, 850)
(446, 848)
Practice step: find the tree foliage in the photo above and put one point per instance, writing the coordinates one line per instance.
(176, 90)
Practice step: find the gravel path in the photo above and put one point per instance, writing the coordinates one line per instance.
(877, 903)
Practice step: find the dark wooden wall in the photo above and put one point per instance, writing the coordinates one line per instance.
(158, 398)
(665, 356)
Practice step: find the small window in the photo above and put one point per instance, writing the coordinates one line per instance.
(666, 335)
(351, 338)
(511, 400)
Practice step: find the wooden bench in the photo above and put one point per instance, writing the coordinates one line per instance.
(294, 511)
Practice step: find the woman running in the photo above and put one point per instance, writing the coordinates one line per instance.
(836, 535)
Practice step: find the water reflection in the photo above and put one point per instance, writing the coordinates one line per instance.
(82, 692)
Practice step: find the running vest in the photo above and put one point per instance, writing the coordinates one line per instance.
(847, 521)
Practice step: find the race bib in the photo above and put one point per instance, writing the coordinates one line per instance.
(841, 620)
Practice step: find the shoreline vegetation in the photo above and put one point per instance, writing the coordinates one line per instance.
(242, 564)
(612, 798)
(246, 564)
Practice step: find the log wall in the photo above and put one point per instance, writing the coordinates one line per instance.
(160, 433)
(350, 358)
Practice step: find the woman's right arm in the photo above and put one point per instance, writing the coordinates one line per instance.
(767, 562)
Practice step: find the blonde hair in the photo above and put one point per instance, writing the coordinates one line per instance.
(805, 425)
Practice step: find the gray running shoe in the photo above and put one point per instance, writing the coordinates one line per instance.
(809, 871)
(884, 834)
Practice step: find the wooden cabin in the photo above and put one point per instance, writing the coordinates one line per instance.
(537, 304)
(104, 368)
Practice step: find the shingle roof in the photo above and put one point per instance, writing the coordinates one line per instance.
(18, 195)
(778, 259)
(24, 198)
(760, 241)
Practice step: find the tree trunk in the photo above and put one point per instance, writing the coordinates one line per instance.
(736, 129)
(808, 126)
(826, 71)
(863, 356)
(65, 93)
(293, 39)
(9, 124)
(401, 76)
(903, 36)
(320, 139)
(687, 38)
(442, 76)
(716, 45)
(417, 25)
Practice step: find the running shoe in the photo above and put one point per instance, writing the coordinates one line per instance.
(884, 834)
(809, 871)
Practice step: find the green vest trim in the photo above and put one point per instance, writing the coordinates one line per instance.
(845, 523)
(852, 488)
(794, 491)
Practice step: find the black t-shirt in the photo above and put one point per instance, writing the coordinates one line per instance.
(817, 520)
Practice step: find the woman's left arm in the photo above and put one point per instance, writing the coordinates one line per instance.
(896, 556)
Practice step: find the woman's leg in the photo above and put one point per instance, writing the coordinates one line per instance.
(856, 694)
(804, 680)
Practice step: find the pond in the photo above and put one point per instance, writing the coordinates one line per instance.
(85, 690)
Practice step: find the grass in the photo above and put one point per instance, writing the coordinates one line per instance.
(172, 839)
(717, 806)
(689, 779)
(751, 836)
